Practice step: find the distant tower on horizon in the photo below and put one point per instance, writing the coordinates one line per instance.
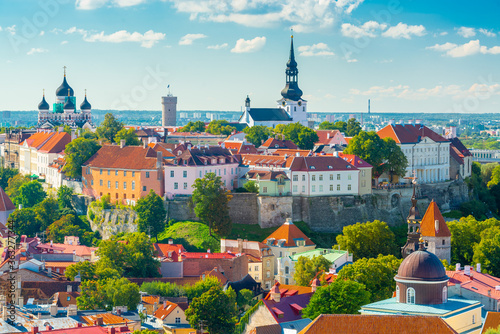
(368, 106)
(169, 109)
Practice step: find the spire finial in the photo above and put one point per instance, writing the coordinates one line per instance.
(291, 32)
(44, 92)
(64, 71)
(69, 92)
(85, 92)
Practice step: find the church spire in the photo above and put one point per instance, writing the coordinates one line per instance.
(292, 90)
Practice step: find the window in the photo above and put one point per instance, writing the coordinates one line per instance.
(133, 174)
(294, 189)
(268, 274)
(349, 176)
(224, 171)
(250, 268)
(124, 173)
(338, 176)
(88, 170)
(177, 321)
(295, 177)
(232, 171)
(100, 182)
(100, 171)
(363, 172)
(256, 268)
(144, 188)
(133, 187)
(303, 189)
(184, 173)
(116, 172)
(348, 187)
(397, 293)
(109, 172)
(91, 182)
(116, 185)
(200, 174)
(268, 263)
(147, 175)
(338, 187)
(287, 270)
(331, 187)
(185, 185)
(410, 296)
(124, 185)
(313, 178)
(473, 319)
(109, 184)
(331, 177)
(172, 173)
(264, 189)
(313, 189)
(445, 294)
(176, 185)
(303, 177)
(321, 177)
(320, 188)
(443, 242)
(257, 276)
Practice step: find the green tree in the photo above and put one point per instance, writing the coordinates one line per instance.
(197, 126)
(395, 159)
(364, 270)
(211, 203)
(70, 225)
(67, 129)
(5, 175)
(339, 125)
(495, 177)
(369, 147)
(200, 287)
(121, 292)
(340, 297)
(133, 256)
(30, 194)
(353, 128)
(251, 186)
(215, 309)
(292, 131)
(77, 152)
(306, 268)
(367, 239)
(85, 269)
(220, 127)
(257, 134)
(307, 138)
(486, 171)
(493, 330)
(129, 136)
(487, 251)
(151, 213)
(26, 222)
(109, 128)
(64, 197)
(91, 295)
(87, 134)
(15, 183)
(244, 298)
(47, 212)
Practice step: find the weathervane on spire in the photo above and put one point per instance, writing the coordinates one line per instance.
(44, 92)
(64, 70)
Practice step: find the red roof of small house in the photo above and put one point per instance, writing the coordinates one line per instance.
(428, 226)
(38, 139)
(57, 143)
(215, 273)
(320, 163)
(165, 309)
(387, 324)
(161, 147)
(409, 133)
(150, 300)
(325, 137)
(288, 308)
(278, 143)
(200, 255)
(476, 282)
(259, 160)
(85, 330)
(290, 233)
(265, 175)
(170, 251)
(354, 160)
(289, 290)
(107, 319)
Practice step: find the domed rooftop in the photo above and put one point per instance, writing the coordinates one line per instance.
(85, 104)
(64, 89)
(43, 105)
(422, 266)
(69, 104)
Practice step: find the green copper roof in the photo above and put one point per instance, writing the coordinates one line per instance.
(331, 255)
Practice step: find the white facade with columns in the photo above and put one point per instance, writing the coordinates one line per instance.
(428, 160)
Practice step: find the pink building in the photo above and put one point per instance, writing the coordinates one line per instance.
(193, 163)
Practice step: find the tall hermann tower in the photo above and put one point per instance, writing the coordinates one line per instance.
(168, 109)
(291, 99)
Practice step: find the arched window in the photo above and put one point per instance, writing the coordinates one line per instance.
(410, 296)
(445, 294)
(286, 270)
(397, 293)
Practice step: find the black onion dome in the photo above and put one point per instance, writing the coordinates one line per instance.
(43, 105)
(422, 266)
(69, 104)
(63, 89)
(85, 104)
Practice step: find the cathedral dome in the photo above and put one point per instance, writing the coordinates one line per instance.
(69, 105)
(421, 266)
(43, 105)
(64, 89)
(85, 104)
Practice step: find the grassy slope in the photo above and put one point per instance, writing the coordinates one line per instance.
(192, 235)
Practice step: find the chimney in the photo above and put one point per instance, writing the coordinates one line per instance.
(155, 306)
(478, 267)
(69, 288)
(164, 304)
(328, 135)
(457, 267)
(208, 250)
(111, 330)
(100, 321)
(49, 272)
(467, 270)
(215, 269)
(159, 159)
(170, 241)
(436, 225)
(34, 330)
(48, 327)
(122, 143)
(240, 245)
(315, 284)
(53, 310)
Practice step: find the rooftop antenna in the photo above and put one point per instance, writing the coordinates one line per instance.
(169, 93)
(368, 106)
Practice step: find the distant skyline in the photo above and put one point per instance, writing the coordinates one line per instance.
(406, 56)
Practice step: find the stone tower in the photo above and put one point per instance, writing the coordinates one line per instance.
(168, 110)
(413, 221)
(435, 232)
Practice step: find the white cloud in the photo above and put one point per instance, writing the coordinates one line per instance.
(487, 33)
(251, 45)
(42, 33)
(470, 48)
(1, 29)
(36, 50)
(218, 46)
(368, 29)
(444, 33)
(320, 49)
(94, 4)
(312, 14)
(190, 38)
(64, 42)
(11, 30)
(402, 30)
(352, 60)
(147, 40)
(466, 32)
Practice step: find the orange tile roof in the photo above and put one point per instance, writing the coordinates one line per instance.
(289, 152)
(354, 160)
(80, 250)
(265, 160)
(56, 143)
(59, 264)
(479, 283)
(289, 232)
(38, 139)
(427, 226)
(287, 290)
(129, 157)
(151, 299)
(162, 148)
(409, 133)
(165, 309)
(492, 321)
(387, 324)
(215, 273)
(107, 319)
(273, 142)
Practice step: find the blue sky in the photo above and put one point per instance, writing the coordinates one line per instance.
(406, 56)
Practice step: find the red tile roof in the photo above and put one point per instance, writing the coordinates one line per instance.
(409, 133)
(165, 309)
(83, 330)
(80, 250)
(129, 157)
(288, 232)
(200, 255)
(38, 139)
(169, 251)
(480, 283)
(150, 299)
(354, 160)
(57, 143)
(387, 324)
(163, 148)
(215, 273)
(428, 226)
(265, 175)
(320, 163)
(265, 160)
(273, 143)
(460, 147)
(327, 137)
(107, 318)
(5, 202)
(290, 290)
(283, 311)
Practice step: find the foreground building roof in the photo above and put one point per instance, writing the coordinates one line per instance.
(287, 235)
(429, 227)
(409, 133)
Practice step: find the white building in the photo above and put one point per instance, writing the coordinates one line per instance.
(428, 153)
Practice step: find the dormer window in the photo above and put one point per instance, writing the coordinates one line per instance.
(330, 167)
(312, 167)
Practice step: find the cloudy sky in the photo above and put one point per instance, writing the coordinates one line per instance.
(406, 56)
